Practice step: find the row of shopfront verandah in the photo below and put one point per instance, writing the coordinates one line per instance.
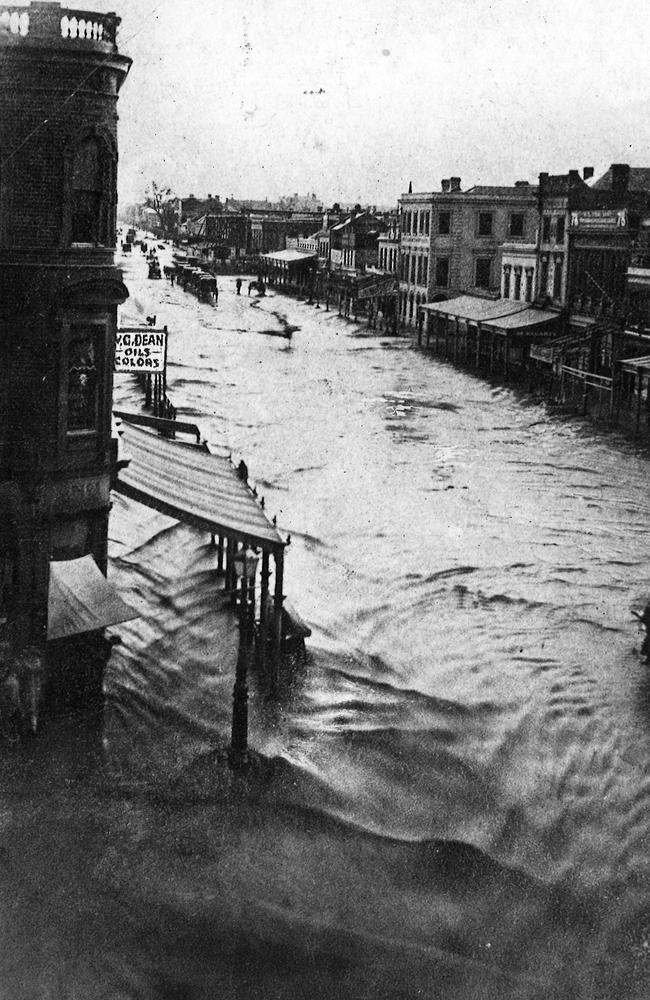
(595, 365)
(571, 255)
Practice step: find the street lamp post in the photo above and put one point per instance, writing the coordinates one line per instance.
(245, 566)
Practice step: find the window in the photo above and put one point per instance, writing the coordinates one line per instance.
(427, 222)
(442, 272)
(506, 281)
(7, 575)
(83, 381)
(546, 229)
(559, 237)
(86, 193)
(517, 290)
(543, 278)
(557, 277)
(483, 268)
(444, 223)
(485, 223)
(425, 270)
(89, 203)
(529, 284)
(517, 224)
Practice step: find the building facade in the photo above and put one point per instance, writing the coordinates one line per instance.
(451, 240)
(60, 76)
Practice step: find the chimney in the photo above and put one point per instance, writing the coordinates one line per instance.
(620, 177)
(587, 173)
(454, 183)
(445, 186)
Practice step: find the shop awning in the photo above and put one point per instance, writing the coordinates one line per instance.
(80, 599)
(189, 483)
(476, 310)
(290, 256)
(523, 321)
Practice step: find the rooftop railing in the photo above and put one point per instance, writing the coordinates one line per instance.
(49, 24)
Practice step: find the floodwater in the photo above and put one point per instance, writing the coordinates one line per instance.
(451, 798)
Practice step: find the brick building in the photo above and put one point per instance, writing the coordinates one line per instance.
(60, 75)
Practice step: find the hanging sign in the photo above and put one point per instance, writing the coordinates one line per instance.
(140, 349)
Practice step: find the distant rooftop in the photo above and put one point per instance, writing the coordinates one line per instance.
(503, 191)
(639, 180)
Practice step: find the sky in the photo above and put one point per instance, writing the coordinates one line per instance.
(354, 99)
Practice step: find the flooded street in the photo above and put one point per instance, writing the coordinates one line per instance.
(452, 797)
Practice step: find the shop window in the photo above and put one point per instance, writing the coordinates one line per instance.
(516, 224)
(444, 223)
(485, 223)
(442, 272)
(83, 380)
(483, 269)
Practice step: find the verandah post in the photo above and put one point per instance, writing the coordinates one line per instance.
(278, 600)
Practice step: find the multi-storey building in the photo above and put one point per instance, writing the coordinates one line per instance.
(60, 75)
(353, 242)
(451, 240)
(388, 246)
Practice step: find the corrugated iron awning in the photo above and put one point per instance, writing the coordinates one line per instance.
(290, 256)
(476, 310)
(189, 483)
(523, 321)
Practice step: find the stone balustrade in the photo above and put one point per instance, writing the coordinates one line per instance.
(47, 23)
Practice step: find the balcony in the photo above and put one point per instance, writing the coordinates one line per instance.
(46, 25)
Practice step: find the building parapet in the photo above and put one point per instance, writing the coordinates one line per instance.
(52, 26)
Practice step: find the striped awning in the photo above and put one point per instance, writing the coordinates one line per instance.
(189, 483)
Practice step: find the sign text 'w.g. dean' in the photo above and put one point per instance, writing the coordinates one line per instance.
(140, 350)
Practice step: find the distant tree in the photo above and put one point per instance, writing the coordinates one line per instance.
(164, 203)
